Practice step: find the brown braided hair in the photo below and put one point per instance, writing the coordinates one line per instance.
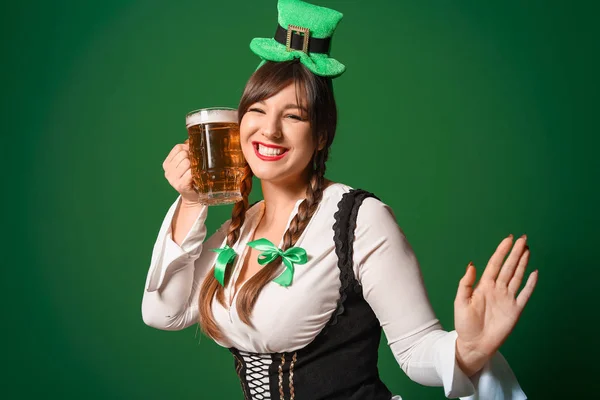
(322, 112)
(211, 287)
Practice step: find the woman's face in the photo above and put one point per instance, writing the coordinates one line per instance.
(276, 137)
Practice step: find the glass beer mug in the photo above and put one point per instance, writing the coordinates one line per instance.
(217, 162)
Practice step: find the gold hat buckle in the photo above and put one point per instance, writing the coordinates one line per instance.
(299, 29)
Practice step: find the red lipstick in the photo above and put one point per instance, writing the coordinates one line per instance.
(269, 158)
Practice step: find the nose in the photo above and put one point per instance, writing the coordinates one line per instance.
(271, 129)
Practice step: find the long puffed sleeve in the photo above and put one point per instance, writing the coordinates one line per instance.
(389, 273)
(177, 271)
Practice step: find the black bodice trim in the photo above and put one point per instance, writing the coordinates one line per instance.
(343, 237)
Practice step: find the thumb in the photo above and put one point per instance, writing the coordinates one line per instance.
(465, 286)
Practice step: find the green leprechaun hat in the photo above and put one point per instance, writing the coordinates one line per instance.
(304, 31)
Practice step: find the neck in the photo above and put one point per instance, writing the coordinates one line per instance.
(280, 198)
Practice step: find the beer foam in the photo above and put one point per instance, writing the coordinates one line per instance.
(207, 115)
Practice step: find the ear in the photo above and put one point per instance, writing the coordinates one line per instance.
(322, 141)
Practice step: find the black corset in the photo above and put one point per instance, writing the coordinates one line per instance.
(341, 362)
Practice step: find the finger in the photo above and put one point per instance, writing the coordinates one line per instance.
(186, 179)
(515, 282)
(174, 151)
(181, 161)
(465, 286)
(525, 294)
(493, 266)
(508, 269)
(182, 155)
(175, 170)
(182, 168)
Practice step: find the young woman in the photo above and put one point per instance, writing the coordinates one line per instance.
(318, 268)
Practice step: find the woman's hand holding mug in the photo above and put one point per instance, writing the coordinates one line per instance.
(178, 172)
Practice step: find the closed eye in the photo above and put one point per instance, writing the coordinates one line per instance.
(296, 117)
(255, 109)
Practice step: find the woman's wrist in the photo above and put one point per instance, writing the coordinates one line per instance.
(469, 359)
(190, 203)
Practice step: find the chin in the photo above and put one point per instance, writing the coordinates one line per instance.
(268, 175)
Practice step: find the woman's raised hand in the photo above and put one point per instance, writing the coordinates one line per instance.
(484, 316)
(178, 173)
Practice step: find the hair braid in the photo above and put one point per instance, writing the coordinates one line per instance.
(314, 193)
(210, 286)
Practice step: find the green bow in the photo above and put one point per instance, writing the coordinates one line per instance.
(293, 255)
(226, 255)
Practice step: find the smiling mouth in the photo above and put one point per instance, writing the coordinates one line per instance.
(269, 152)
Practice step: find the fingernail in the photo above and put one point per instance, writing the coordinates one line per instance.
(510, 236)
(524, 236)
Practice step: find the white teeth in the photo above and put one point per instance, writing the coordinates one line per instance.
(269, 151)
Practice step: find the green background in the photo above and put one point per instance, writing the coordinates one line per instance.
(472, 119)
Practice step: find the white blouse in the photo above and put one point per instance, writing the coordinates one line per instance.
(289, 318)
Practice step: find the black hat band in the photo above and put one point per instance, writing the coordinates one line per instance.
(299, 39)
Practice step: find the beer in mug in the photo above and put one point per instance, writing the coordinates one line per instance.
(217, 162)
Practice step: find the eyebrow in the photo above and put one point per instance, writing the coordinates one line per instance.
(287, 106)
